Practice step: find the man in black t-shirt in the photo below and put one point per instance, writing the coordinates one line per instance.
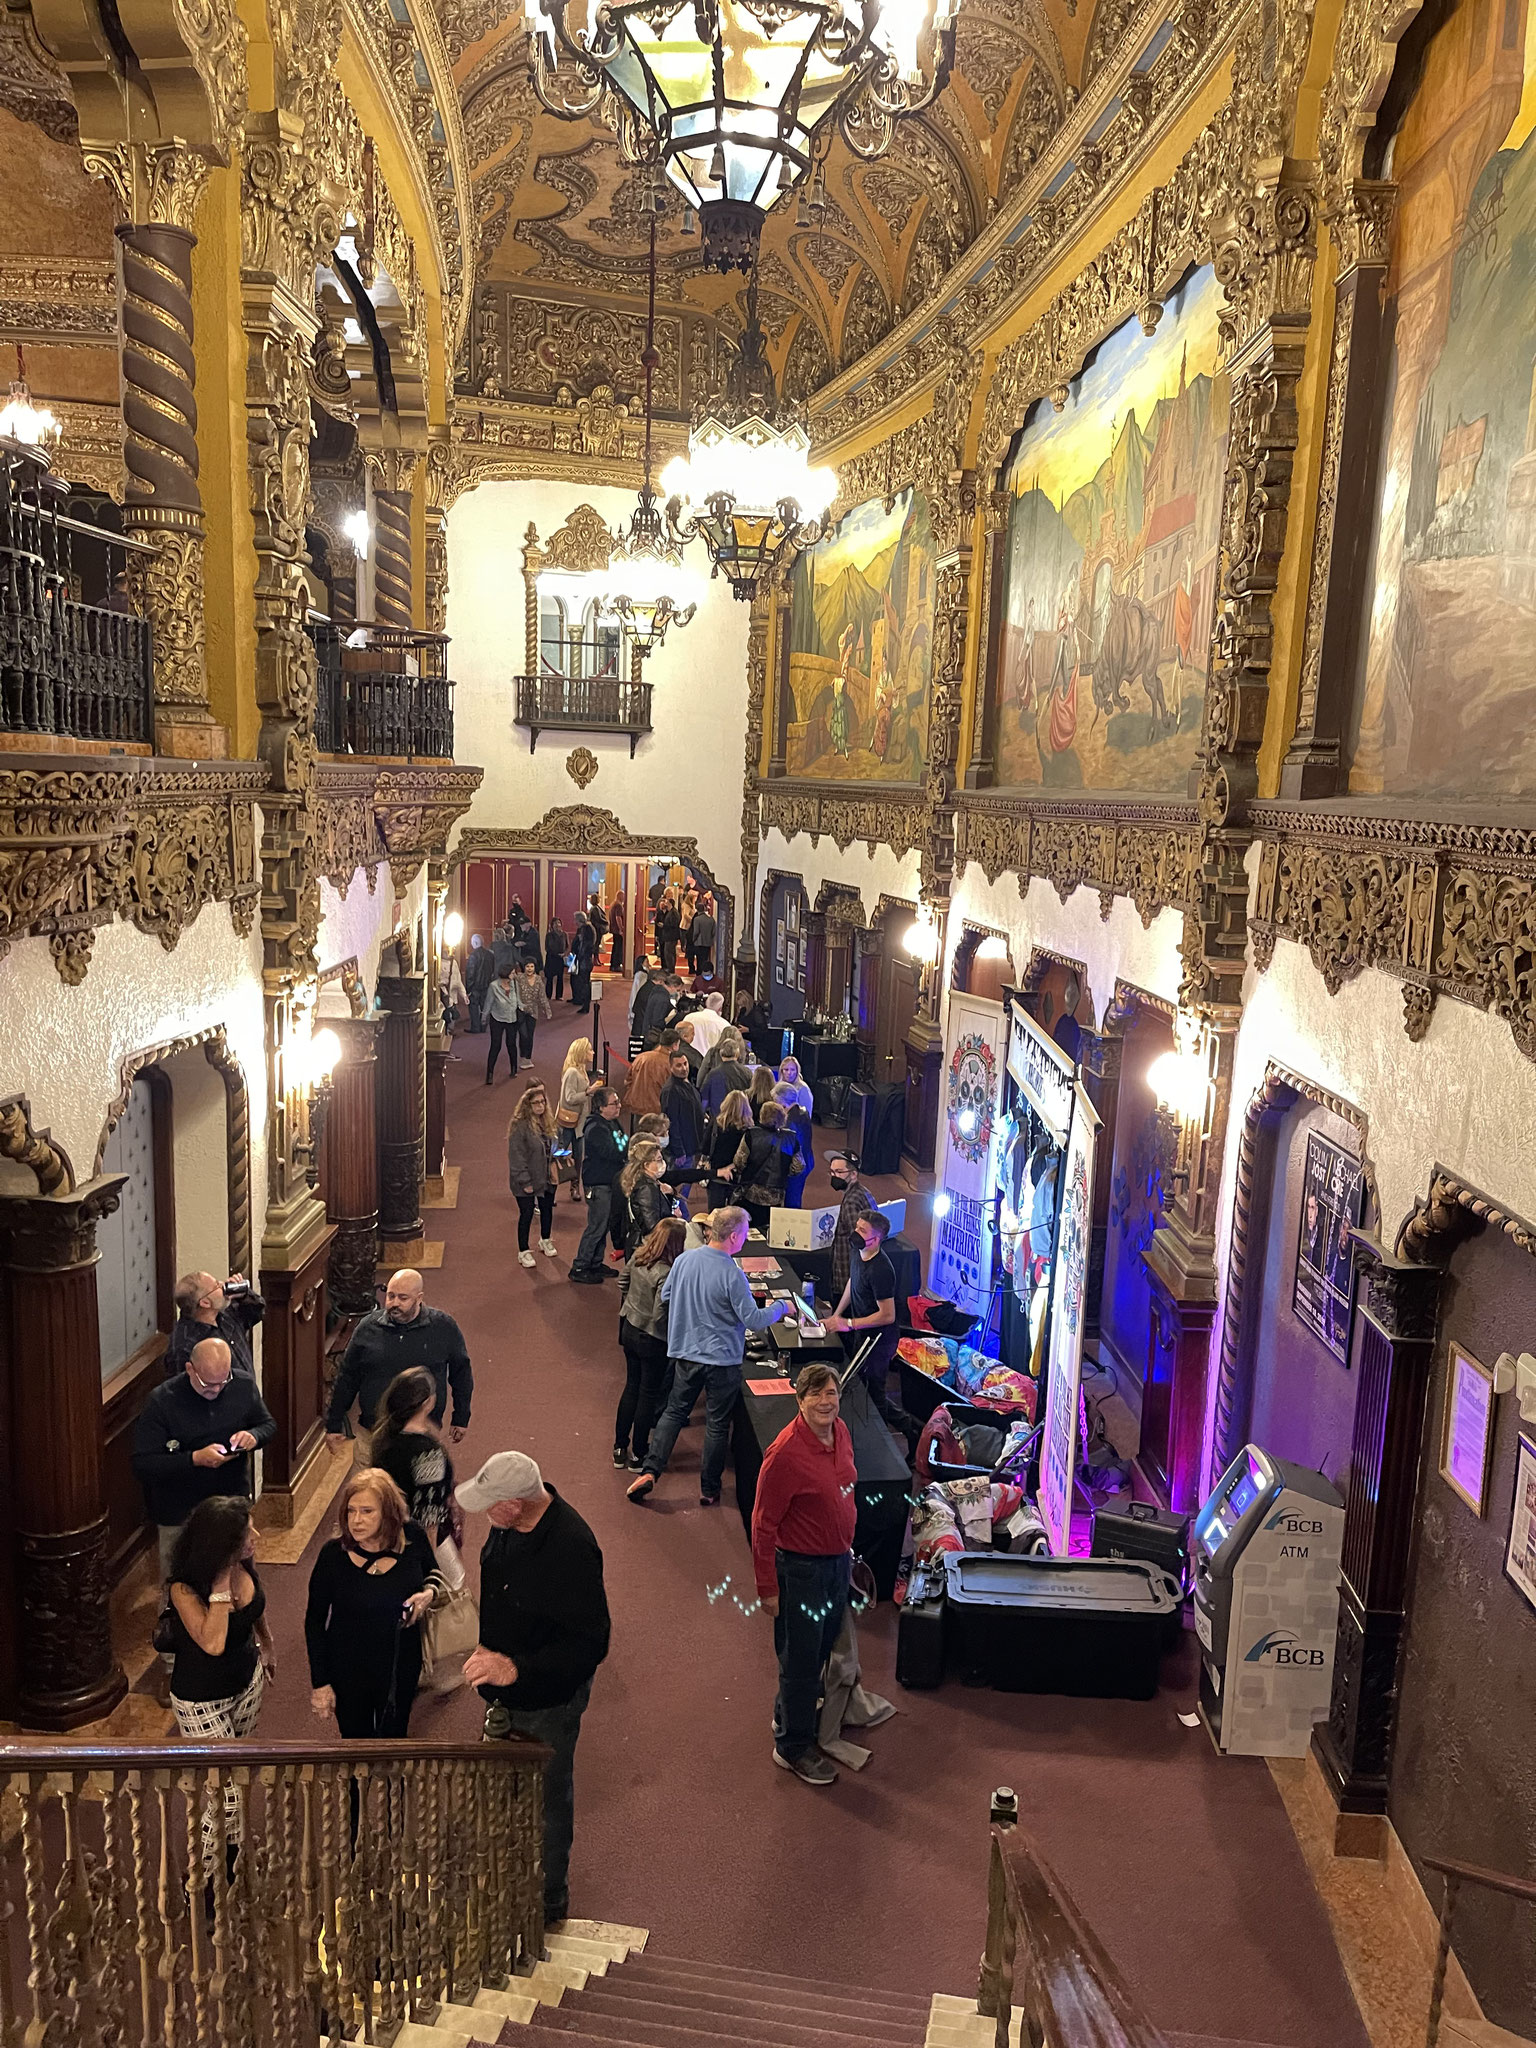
(867, 1307)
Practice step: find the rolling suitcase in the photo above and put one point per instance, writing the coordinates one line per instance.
(920, 1631)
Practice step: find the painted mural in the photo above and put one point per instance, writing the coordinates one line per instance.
(861, 646)
(1110, 581)
(1446, 704)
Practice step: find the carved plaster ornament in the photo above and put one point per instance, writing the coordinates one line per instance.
(581, 766)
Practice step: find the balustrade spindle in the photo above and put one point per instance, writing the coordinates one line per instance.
(410, 1886)
(195, 1787)
(434, 1976)
(308, 1890)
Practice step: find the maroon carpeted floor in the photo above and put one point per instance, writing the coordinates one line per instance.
(1183, 1860)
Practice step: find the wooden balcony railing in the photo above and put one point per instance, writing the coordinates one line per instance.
(1456, 1874)
(583, 704)
(1043, 1956)
(368, 1888)
(68, 669)
(383, 693)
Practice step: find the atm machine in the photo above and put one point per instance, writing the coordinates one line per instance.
(1266, 1558)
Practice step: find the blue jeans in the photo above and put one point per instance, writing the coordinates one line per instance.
(589, 1253)
(559, 1727)
(721, 1387)
(813, 1591)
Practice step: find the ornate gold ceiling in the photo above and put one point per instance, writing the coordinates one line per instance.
(557, 215)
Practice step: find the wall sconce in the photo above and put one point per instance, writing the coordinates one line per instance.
(316, 1065)
(1181, 1082)
(922, 938)
(453, 929)
(355, 526)
(1517, 1376)
(992, 948)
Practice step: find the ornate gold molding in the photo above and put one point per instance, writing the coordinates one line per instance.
(1451, 1211)
(1448, 909)
(58, 301)
(843, 812)
(416, 808)
(1148, 851)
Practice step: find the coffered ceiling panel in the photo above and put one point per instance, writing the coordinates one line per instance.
(556, 207)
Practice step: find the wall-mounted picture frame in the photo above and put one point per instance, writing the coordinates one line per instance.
(778, 946)
(1466, 1428)
(792, 911)
(1520, 1557)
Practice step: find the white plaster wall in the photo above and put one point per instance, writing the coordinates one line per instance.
(874, 876)
(63, 1047)
(1117, 948)
(685, 777)
(200, 1126)
(355, 926)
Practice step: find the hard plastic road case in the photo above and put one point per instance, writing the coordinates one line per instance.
(1141, 1530)
(1089, 1626)
(920, 1631)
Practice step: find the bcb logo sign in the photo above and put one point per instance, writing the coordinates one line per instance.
(1282, 1646)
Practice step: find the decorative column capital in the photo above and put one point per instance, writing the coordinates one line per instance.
(52, 1233)
(153, 184)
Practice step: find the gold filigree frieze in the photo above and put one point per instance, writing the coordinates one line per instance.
(843, 813)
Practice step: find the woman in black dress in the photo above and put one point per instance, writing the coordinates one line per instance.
(408, 1448)
(368, 1596)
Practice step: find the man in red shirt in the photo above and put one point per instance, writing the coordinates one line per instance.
(802, 1537)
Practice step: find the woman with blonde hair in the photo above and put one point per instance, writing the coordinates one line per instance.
(640, 1183)
(575, 1104)
(530, 1169)
(369, 1593)
(643, 1334)
(730, 1126)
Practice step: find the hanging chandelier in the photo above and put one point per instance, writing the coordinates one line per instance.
(647, 583)
(733, 92)
(746, 486)
(33, 426)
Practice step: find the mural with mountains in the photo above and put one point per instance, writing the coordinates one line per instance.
(861, 646)
(1110, 577)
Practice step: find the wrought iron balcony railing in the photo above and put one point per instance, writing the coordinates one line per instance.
(383, 692)
(583, 704)
(68, 669)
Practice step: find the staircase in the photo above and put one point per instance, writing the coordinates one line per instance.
(599, 1989)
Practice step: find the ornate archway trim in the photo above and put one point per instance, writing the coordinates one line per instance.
(1042, 959)
(1451, 1212)
(840, 903)
(34, 1149)
(593, 834)
(350, 975)
(216, 1050)
(764, 919)
(1278, 1092)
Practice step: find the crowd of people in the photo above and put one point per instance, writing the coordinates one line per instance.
(699, 1109)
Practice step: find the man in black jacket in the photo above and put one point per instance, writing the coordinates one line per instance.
(701, 936)
(479, 973)
(683, 1107)
(209, 1307)
(194, 1438)
(406, 1333)
(651, 1007)
(543, 1632)
(602, 1161)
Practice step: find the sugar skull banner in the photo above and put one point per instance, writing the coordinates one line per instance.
(960, 1263)
(1064, 1353)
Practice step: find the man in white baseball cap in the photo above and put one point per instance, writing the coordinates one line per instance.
(543, 1632)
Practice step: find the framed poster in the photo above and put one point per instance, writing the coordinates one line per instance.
(1330, 1205)
(792, 910)
(1064, 1350)
(1520, 1558)
(778, 947)
(1466, 1432)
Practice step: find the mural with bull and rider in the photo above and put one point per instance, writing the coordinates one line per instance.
(1110, 581)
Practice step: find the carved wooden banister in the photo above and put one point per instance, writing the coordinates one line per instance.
(1042, 1955)
(1456, 1874)
(223, 1893)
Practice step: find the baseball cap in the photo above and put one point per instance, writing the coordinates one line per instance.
(510, 1475)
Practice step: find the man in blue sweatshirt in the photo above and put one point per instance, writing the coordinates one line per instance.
(709, 1312)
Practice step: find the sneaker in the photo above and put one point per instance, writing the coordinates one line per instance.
(547, 1247)
(709, 1500)
(635, 1465)
(620, 1457)
(811, 1765)
(641, 1489)
(585, 1279)
(525, 1259)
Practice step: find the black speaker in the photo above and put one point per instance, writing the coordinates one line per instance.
(876, 1122)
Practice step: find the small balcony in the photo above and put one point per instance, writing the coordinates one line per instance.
(601, 703)
(75, 663)
(383, 693)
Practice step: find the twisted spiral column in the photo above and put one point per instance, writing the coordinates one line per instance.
(392, 558)
(164, 505)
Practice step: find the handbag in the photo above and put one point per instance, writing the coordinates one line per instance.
(163, 1636)
(452, 1628)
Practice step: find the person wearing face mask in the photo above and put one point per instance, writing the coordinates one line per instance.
(194, 1438)
(544, 1630)
(843, 1172)
(404, 1333)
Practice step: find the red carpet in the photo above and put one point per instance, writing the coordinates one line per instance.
(1184, 1860)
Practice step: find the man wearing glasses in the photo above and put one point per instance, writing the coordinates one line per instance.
(195, 1437)
(209, 1307)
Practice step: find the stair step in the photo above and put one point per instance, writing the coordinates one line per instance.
(455, 2023)
(529, 1991)
(589, 1955)
(632, 1938)
(694, 2030)
(740, 2014)
(858, 1998)
(955, 2023)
